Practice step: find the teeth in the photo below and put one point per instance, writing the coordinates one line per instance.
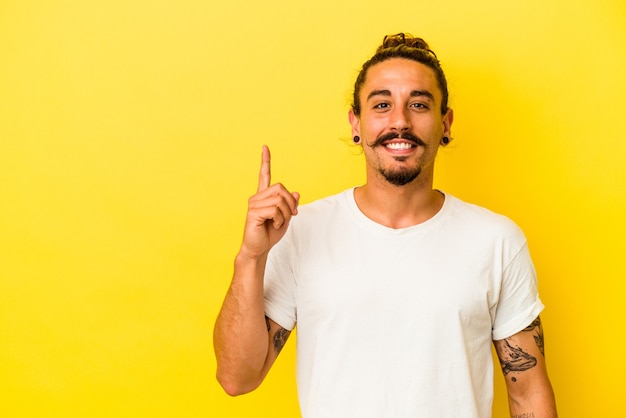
(399, 145)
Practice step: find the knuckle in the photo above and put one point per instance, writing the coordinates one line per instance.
(277, 187)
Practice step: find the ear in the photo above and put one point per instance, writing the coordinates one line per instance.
(355, 123)
(447, 122)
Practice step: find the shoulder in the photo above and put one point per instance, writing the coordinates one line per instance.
(320, 215)
(475, 219)
(325, 205)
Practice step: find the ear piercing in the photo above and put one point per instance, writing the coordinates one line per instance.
(356, 139)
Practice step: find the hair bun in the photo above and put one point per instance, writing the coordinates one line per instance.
(405, 39)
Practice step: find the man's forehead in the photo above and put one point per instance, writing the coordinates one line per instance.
(412, 76)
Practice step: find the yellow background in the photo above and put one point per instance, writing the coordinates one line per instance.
(130, 138)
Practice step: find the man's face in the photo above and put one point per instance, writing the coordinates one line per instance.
(401, 124)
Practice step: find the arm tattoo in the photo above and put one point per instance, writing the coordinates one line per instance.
(280, 338)
(514, 359)
(536, 327)
(526, 415)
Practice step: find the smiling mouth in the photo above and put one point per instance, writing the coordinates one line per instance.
(399, 146)
(398, 141)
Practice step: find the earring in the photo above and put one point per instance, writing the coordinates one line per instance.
(445, 140)
(356, 139)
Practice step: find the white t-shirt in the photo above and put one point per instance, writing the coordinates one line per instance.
(399, 322)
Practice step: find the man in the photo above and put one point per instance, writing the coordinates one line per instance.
(397, 289)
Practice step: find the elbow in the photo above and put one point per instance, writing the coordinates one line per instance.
(233, 389)
(233, 386)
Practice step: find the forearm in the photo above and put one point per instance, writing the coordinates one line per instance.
(241, 336)
(539, 404)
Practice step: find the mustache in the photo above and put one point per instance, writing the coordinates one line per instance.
(395, 135)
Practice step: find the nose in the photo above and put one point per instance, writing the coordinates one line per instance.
(400, 120)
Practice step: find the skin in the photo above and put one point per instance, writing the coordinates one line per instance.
(524, 367)
(399, 97)
(246, 342)
(390, 103)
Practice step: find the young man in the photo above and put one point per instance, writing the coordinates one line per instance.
(397, 289)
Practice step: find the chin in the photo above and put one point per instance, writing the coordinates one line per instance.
(400, 177)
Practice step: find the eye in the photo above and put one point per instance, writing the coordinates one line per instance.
(418, 106)
(382, 106)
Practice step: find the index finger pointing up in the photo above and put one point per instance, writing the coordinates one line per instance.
(265, 175)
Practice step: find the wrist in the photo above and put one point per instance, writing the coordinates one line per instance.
(247, 258)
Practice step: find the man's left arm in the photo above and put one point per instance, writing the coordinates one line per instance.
(523, 365)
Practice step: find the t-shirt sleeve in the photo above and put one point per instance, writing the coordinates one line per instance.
(519, 302)
(280, 285)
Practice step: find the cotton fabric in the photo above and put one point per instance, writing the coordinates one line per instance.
(399, 322)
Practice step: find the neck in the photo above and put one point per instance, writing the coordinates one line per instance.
(398, 206)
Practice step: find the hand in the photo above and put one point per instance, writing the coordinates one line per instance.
(269, 212)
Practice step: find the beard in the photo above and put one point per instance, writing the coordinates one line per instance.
(400, 177)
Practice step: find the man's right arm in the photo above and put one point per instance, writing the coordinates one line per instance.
(246, 342)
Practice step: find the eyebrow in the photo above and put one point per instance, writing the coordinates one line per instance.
(414, 93)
